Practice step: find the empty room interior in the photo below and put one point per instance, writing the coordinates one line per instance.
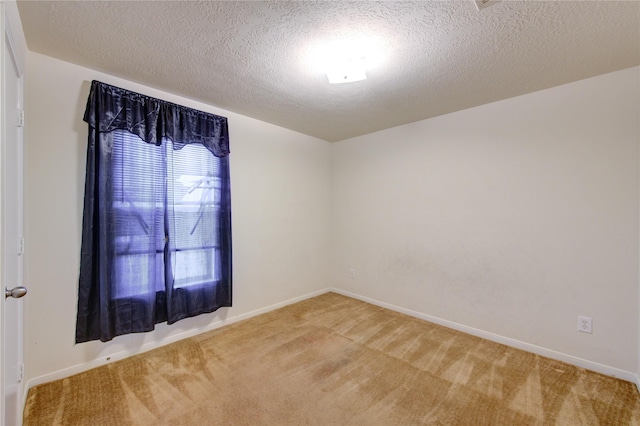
(480, 175)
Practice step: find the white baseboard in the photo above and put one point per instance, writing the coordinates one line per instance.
(583, 363)
(539, 350)
(103, 360)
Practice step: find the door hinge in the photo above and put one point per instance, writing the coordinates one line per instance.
(20, 373)
(21, 247)
(21, 118)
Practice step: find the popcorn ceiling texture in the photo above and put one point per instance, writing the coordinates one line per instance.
(252, 57)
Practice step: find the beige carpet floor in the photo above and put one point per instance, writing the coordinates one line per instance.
(332, 360)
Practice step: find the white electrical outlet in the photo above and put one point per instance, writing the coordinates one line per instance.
(352, 273)
(584, 324)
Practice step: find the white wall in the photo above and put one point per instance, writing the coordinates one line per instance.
(512, 218)
(281, 193)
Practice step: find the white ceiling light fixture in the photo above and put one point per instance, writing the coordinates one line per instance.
(347, 70)
(481, 4)
(347, 58)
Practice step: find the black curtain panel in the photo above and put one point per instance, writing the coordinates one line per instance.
(156, 233)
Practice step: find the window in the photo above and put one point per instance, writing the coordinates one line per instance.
(192, 188)
(156, 242)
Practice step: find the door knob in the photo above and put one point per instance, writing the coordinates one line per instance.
(15, 292)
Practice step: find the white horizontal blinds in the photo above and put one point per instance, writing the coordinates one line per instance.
(193, 189)
(138, 182)
(143, 174)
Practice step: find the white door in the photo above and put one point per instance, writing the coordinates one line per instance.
(11, 245)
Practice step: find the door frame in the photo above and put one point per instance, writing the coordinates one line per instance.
(5, 30)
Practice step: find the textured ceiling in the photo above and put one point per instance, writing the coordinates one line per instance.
(254, 58)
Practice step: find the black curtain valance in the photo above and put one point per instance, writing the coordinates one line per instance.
(110, 108)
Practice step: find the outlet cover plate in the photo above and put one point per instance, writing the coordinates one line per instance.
(585, 325)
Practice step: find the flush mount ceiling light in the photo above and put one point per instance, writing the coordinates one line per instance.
(347, 57)
(347, 70)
